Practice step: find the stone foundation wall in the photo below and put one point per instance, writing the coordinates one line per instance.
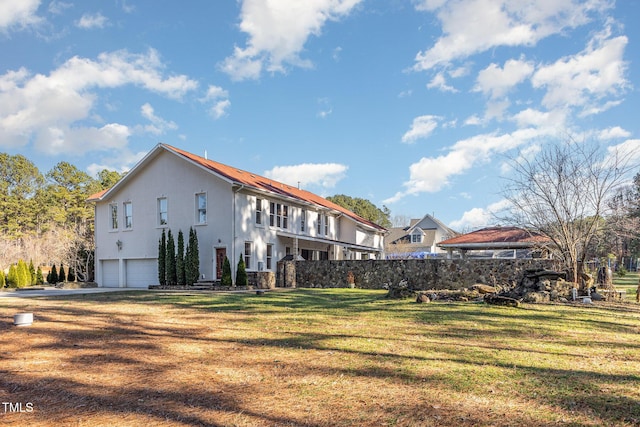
(419, 273)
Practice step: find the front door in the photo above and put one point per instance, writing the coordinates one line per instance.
(221, 254)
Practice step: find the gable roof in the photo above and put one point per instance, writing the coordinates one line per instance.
(398, 233)
(495, 238)
(436, 221)
(243, 178)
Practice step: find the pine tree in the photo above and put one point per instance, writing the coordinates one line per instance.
(180, 267)
(39, 278)
(71, 275)
(226, 273)
(12, 276)
(162, 260)
(172, 276)
(241, 274)
(32, 273)
(62, 277)
(2, 281)
(54, 275)
(49, 276)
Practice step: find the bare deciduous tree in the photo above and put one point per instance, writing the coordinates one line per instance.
(563, 193)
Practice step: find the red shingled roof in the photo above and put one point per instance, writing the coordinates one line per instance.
(258, 182)
(495, 237)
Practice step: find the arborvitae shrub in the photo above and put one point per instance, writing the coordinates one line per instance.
(24, 278)
(71, 275)
(32, 273)
(162, 260)
(12, 276)
(39, 278)
(2, 281)
(172, 276)
(226, 273)
(54, 275)
(180, 268)
(241, 274)
(62, 277)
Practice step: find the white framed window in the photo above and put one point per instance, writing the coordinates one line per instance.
(278, 215)
(259, 204)
(128, 215)
(247, 254)
(416, 237)
(113, 210)
(163, 218)
(322, 227)
(201, 208)
(303, 220)
(269, 256)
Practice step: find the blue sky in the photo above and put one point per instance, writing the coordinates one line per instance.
(415, 105)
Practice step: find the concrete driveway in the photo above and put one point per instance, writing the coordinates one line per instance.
(54, 292)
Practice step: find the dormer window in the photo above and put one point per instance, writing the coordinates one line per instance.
(416, 236)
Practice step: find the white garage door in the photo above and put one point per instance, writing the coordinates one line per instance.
(110, 273)
(141, 273)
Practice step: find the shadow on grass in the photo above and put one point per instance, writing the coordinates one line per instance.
(578, 390)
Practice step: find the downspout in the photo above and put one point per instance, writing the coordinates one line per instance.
(233, 240)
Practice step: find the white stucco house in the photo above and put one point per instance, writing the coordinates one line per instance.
(234, 212)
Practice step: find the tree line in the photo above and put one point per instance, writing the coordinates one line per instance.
(45, 217)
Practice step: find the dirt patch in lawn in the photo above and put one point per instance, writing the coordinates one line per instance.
(290, 359)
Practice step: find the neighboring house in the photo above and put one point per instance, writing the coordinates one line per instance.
(497, 242)
(419, 239)
(234, 212)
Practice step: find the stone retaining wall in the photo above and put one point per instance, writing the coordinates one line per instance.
(419, 273)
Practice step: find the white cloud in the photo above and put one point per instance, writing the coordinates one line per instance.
(124, 159)
(421, 127)
(20, 14)
(473, 26)
(613, 133)
(89, 21)
(55, 111)
(584, 79)
(220, 99)
(440, 82)
(277, 32)
(496, 82)
(58, 7)
(432, 174)
(158, 125)
(626, 153)
(325, 175)
(479, 217)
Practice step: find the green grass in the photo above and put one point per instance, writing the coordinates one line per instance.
(353, 357)
(628, 283)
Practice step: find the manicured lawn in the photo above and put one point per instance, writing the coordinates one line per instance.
(338, 357)
(628, 283)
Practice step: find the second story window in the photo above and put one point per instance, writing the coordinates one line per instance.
(278, 215)
(303, 220)
(201, 208)
(113, 209)
(162, 211)
(259, 211)
(128, 215)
